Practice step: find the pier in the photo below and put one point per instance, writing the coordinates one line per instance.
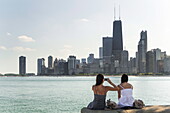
(147, 109)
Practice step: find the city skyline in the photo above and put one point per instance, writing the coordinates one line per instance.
(92, 26)
(112, 59)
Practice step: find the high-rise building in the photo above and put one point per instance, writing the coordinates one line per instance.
(132, 66)
(50, 62)
(124, 59)
(56, 70)
(77, 63)
(163, 55)
(62, 67)
(157, 53)
(137, 61)
(44, 69)
(66, 68)
(96, 67)
(41, 69)
(50, 69)
(107, 46)
(152, 58)
(160, 66)
(39, 66)
(107, 50)
(72, 65)
(22, 65)
(100, 52)
(166, 64)
(90, 59)
(83, 60)
(150, 62)
(142, 49)
(117, 42)
(124, 62)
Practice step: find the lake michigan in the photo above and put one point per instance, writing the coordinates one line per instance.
(70, 94)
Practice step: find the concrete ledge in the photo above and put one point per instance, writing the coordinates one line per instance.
(147, 109)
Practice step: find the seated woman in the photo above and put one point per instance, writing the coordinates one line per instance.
(100, 92)
(125, 93)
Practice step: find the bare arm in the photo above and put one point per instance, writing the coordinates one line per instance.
(114, 88)
(111, 83)
(119, 92)
(93, 87)
(131, 86)
(108, 88)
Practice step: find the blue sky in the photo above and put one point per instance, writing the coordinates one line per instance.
(39, 28)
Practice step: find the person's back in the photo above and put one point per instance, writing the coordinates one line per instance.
(125, 94)
(100, 92)
(99, 97)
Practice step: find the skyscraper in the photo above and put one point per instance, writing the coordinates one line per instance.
(142, 49)
(41, 66)
(112, 48)
(107, 46)
(157, 53)
(132, 65)
(71, 65)
(22, 65)
(62, 67)
(100, 52)
(83, 60)
(50, 62)
(77, 63)
(154, 61)
(117, 42)
(124, 62)
(56, 71)
(107, 53)
(124, 59)
(150, 62)
(166, 64)
(90, 59)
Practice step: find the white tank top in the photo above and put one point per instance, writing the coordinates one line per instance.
(126, 98)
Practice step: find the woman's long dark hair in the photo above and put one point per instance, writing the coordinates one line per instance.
(99, 79)
(124, 78)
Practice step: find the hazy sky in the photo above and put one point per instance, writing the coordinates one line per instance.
(39, 28)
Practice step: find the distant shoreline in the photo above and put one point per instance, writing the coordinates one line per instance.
(82, 75)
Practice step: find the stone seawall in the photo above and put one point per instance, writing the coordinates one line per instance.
(147, 109)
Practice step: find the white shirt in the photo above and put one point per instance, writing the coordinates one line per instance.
(126, 98)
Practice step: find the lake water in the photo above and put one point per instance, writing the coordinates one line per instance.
(70, 94)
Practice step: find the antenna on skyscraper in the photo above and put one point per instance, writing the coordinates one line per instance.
(119, 12)
(114, 12)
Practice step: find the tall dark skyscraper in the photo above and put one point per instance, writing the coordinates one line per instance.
(117, 43)
(22, 65)
(107, 49)
(107, 46)
(113, 48)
